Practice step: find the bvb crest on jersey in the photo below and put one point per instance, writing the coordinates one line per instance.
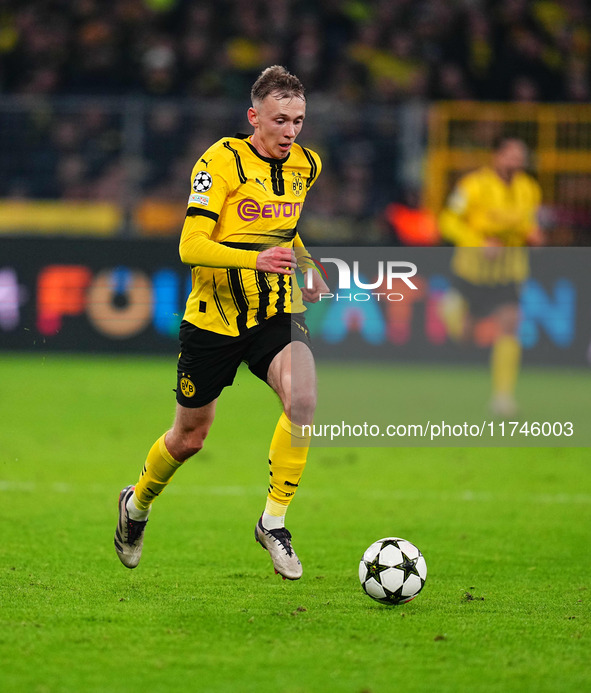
(297, 184)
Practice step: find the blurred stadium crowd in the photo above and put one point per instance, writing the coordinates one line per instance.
(383, 50)
(101, 99)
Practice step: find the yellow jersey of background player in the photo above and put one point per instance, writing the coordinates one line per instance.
(493, 207)
(242, 201)
(491, 216)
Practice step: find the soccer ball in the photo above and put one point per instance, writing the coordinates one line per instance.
(392, 571)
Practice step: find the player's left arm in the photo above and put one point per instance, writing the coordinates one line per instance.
(303, 258)
(319, 287)
(305, 262)
(534, 234)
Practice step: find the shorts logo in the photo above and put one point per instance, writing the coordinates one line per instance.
(199, 199)
(202, 182)
(187, 387)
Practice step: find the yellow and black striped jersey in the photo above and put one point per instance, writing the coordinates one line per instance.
(240, 204)
(485, 209)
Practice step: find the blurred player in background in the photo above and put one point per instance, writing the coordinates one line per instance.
(490, 217)
(241, 241)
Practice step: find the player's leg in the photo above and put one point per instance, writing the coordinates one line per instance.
(456, 309)
(167, 454)
(207, 363)
(292, 375)
(505, 361)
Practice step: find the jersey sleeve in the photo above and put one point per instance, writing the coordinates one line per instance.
(315, 166)
(197, 248)
(303, 258)
(452, 220)
(532, 221)
(211, 181)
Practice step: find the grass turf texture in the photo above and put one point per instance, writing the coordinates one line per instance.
(505, 533)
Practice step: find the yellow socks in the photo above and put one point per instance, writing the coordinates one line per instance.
(453, 310)
(287, 459)
(505, 362)
(157, 472)
(286, 464)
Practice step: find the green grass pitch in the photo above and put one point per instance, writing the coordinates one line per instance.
(505, 532)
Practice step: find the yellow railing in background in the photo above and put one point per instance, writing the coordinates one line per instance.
(60, 217)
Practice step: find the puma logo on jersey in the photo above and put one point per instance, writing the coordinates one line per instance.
(261, 183)
(205, 162)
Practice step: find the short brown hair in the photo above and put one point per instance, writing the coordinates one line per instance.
(501, 141)
(278, 81)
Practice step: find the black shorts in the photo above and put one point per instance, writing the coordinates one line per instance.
(483, 300)
(208, 361)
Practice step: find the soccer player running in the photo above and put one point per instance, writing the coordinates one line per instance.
(491, 216)
(241, 242)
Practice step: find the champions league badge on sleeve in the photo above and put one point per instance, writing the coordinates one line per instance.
(202, 182)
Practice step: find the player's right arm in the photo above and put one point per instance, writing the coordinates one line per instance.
(211, 184)
(453, 219)
(197, 248)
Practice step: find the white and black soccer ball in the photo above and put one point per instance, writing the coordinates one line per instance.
(202, 182)
(392, 571)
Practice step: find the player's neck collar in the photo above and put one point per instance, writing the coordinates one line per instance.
(268, 159)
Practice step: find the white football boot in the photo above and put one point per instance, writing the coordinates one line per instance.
(503, 406)
(129, 535)
(278, 544)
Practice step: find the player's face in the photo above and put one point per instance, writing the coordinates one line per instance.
(512, 157)
(276, 123)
